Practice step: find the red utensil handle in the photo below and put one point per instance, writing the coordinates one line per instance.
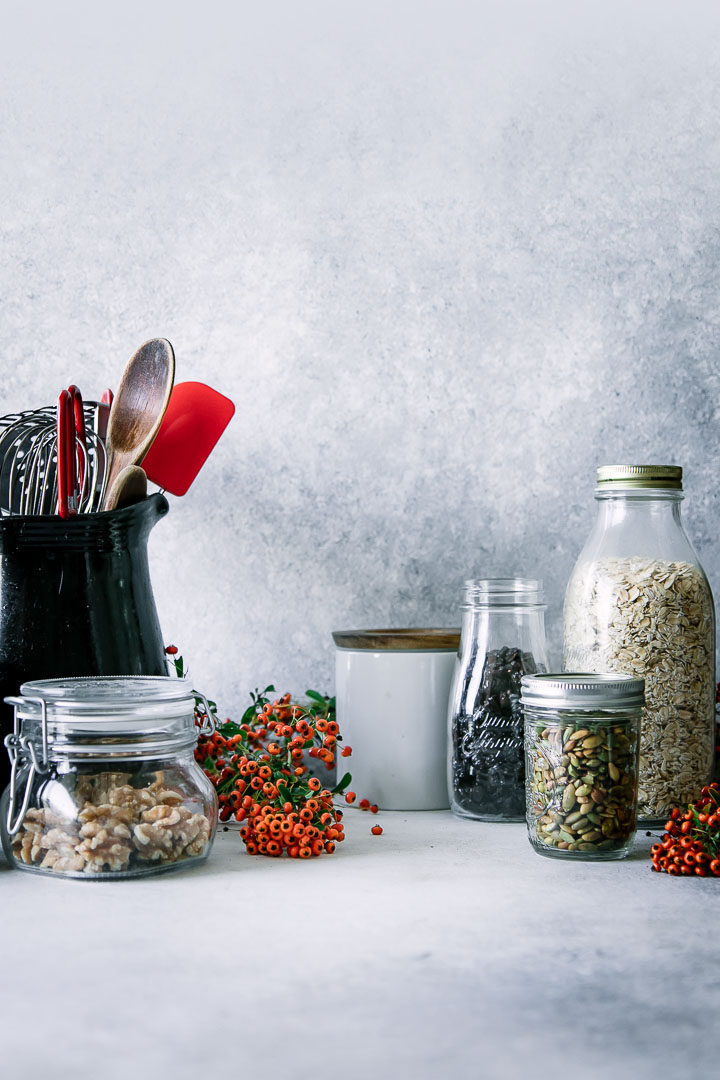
(80, 437)
(66, 475)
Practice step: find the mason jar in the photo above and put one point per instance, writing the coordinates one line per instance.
(582, 744)
(103, 779)
(638, 602)
(502, 639)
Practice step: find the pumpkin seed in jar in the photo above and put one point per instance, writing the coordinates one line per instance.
(584, 779)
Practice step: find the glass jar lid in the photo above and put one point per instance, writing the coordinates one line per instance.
(503, 592)
(107, 715)
(111, 696)
(582, 690)
(611, 477)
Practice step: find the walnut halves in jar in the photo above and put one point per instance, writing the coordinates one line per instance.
(108, 772)
(135, 826)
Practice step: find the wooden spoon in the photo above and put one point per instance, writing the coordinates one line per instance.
(138, 407)
(129, 487)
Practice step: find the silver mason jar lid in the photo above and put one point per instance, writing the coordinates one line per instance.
(582, 690)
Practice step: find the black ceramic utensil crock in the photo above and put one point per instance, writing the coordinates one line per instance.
(76, 599)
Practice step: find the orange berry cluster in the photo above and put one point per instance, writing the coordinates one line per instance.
(690, 844)
(260, 772)
(290, 829)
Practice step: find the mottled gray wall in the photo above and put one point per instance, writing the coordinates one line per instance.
(445, 257)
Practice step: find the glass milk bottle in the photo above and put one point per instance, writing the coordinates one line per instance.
(639, 602)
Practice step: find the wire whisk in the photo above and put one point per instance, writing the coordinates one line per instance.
(29, 462)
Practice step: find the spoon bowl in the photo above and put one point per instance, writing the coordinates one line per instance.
(138, 407)
(128, 488)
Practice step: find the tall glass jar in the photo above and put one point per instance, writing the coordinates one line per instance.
(502, 639)
(582, 740)
(638, 602)
(104, 783)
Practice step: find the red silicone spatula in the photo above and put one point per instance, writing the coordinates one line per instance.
(195, 419)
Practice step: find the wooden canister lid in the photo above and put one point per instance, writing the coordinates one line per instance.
(402, 640)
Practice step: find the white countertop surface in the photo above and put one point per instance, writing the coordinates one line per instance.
(443, 948)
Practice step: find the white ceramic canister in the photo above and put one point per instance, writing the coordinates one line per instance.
(392, 689)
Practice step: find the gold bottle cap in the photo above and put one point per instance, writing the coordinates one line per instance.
(640, 476)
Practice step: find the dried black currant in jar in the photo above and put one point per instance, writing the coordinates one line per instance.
(503, 638)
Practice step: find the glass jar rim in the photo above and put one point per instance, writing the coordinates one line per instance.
(639, 492)
(503, 592)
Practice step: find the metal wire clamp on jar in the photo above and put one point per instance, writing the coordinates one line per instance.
(638, 602)
(104, 783)
(582, 741)
(503, 638)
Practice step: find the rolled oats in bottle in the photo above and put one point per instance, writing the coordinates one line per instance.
(638, 602)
